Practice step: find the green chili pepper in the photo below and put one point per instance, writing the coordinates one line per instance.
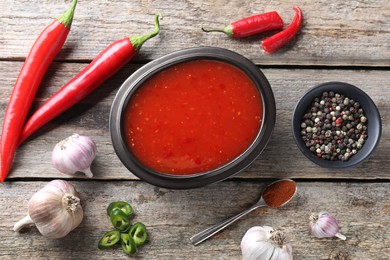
(128, 244)
(109, 239)
(122, 205)
(138, 233)
(120, 220)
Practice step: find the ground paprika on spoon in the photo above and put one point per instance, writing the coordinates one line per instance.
(279, 193)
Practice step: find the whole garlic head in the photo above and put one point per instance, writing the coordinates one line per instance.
(265, 243)
(55, 210)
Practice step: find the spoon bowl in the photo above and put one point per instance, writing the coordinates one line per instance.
(271, 196)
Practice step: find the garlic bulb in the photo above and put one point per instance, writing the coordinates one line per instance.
(324, 225)
(74, 154)
(55, 210)
(263, 243)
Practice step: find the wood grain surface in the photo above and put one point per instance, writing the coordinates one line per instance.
(91, 117)
(172, 217)
(347, 33)
(346, 41)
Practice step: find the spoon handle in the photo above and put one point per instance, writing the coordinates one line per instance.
(208, 232)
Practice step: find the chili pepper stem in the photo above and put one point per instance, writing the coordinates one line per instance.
(228, 30)
(22, 223)
(67, 17)
(137, 41)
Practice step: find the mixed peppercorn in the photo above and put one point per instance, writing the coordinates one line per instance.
(335, 127)
(129, 236)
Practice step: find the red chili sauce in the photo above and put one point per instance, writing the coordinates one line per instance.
(193, 117)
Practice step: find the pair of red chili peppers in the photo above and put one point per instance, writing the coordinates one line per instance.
(41, 55)
(264, 22)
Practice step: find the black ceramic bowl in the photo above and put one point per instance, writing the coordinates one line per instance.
(374, 125)
(199, 179)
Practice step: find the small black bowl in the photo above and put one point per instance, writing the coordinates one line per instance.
(199, 179)
(374, 124)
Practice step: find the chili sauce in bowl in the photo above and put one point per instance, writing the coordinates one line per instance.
(192, 118)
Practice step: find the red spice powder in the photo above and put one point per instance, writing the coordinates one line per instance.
(279, 193)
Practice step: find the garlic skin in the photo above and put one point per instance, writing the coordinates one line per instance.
(74, 154)
(324, 225)
(262, 243)
(55, 210)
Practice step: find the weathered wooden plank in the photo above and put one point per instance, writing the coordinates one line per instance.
(333, 33)
(91, 117)
(172, 217)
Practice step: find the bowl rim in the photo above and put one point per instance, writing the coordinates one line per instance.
(135, 80)
(374, 123)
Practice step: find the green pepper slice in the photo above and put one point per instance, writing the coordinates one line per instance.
(122, 205)
(138, 233)
(128, 244)
(109, 239)
(120, 220)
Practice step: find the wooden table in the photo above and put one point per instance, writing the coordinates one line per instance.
(340, 41)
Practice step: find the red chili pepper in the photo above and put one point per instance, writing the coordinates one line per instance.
(42, 53)
(275, 42)
(251, 25)
(106, 64)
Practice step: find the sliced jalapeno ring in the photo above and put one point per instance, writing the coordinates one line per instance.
(128, 244)
(120, 220)
(138, 233)
(122, 205)
(109, 239)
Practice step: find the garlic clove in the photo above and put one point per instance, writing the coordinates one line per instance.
(324, 225)
(74, 154)
(55, 210)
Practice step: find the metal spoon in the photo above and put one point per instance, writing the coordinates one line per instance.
(207, 233)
